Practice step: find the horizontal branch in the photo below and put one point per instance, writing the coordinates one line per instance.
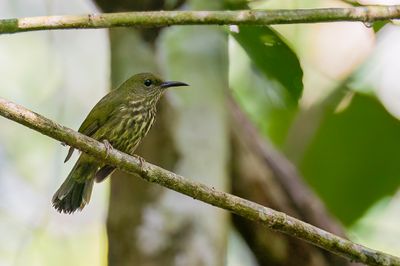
(274, 220)
(366, 14)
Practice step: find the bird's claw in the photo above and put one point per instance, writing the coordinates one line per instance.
(70, 152)
(108, 146)
(141, 160)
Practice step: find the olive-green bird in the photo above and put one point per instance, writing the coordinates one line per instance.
(120, 119)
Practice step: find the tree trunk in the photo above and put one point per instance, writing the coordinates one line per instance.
(147, 224)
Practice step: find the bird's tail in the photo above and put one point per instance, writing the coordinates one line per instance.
(76, 190)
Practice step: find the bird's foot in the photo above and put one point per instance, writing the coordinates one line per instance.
(108, 146)
(141, 160)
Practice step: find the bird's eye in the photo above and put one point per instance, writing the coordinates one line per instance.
(148, 82)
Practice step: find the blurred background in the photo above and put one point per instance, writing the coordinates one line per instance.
(301, 118)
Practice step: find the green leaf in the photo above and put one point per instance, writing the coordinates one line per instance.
(273, 57)
(378, 25)
(353, 160)
(264, 101)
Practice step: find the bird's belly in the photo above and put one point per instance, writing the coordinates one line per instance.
(126, 134)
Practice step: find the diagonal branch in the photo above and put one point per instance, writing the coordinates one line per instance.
(366, 14)
(303, 198)
(275, 220)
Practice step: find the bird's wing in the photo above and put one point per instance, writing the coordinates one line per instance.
(99, 114)
(97, 117)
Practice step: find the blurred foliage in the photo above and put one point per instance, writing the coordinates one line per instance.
(273, 57)
(353, 159)
(378, 25)
(342, 157)
(271, 82)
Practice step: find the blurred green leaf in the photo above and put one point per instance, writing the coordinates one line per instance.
(378, 25)
(264, 101)
(273, 57)
(266, 76)
(353, 160)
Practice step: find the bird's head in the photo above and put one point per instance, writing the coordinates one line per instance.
(149, 85)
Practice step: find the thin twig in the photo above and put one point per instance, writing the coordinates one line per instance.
(366, 14)
(272, 219)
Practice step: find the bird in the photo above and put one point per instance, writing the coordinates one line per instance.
(120, 120)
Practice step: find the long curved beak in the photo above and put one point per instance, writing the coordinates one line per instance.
(167, 84)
